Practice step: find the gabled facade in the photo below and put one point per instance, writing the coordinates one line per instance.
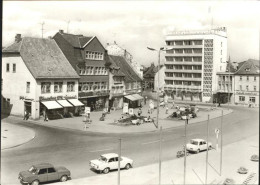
(35, 71)
(125, 84)
(89, 58)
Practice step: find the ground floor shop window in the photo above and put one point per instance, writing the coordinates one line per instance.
(252, 99)
(241, 98)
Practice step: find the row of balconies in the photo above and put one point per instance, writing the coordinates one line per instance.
(183, 63)
(184, 70)
(183, 54)
(184, 78)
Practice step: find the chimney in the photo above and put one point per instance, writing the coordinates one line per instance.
(61, 31)
(18, 37)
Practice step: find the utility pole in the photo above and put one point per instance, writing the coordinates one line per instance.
(119, 158)
(229, 81)
(160, 156)
(42, 28)
(158, 92)
(207, 156)
(221, 131)
(185, 150)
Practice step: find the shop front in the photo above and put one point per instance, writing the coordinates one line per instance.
(133, 100)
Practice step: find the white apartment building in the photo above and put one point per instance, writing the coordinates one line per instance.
(192, 60)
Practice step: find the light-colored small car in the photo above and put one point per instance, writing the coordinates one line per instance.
(109, 161)
(197, 145)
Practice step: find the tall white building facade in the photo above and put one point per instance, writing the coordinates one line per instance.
(192, 60)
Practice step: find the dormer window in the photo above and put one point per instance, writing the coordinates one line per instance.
(247, 69)
(94, 55)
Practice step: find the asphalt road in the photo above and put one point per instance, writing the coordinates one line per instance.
(74, 149)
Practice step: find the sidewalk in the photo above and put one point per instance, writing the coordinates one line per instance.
(13, 135)
(109, 125)
(172, 171)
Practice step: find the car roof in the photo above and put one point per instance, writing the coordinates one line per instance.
(43, 165)
(197, 139)
(109, 155)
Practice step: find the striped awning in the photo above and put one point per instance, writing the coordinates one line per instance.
(75, 102)
(64, 103)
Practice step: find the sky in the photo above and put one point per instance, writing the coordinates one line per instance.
(136, 25)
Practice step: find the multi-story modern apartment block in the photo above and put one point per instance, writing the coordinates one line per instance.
(192, 60)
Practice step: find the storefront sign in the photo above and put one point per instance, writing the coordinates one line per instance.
(247, 93)
(131, 111)
(125, 108)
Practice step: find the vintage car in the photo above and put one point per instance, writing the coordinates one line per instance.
(43, 172)
(197, 145)
(109, 161)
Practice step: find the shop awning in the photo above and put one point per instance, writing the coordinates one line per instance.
(75, 102)
(137, 96)
(130, 97)
(51, 105)
(64, 103)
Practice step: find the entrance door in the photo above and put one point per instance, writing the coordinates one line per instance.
(28, 107)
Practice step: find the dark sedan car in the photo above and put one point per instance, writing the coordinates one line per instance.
(43, 172)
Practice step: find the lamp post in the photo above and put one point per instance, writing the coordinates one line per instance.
(185, 150)
(158, 89)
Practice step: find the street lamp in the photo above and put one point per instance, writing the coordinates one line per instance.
(186, 118)
(158, 89)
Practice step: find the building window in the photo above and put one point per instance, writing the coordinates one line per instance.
(27, 87)
(240, 87)
(58, 87)
(240, 78)
(46, 87)
(241, 98)
(94, 55)
(247, 69)
(254, 78)
(252, 99)
(247, 78)
(221, 44)
(247, 88)
(254, 88)
(220, 68)
(7, 67)
(70, 86)
(221, 52)
(220, 59)
(14, 68)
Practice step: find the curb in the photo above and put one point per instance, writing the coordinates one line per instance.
(20, 143)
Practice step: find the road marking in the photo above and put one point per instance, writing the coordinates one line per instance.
(151, 142)
(102, 150)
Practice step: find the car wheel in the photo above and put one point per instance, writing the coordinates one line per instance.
(127, 166)
(198, 151)
(35, 182)
(64, 178)
(106, 170)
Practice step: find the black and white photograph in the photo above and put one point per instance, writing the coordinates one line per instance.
(130, 92)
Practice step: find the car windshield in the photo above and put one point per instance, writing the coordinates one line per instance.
(102, 158)
(32, 170)
(194, 142)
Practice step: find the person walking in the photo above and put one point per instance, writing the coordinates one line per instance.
(25, 114)
(172, 104)
(139, 112)
(167, 109)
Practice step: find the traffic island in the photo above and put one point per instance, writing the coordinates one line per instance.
(13, 135)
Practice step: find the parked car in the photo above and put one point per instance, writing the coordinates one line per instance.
(43, 172)
(109, 161)
(197, 145)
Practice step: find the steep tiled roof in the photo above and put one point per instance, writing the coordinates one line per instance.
(151, 71)
(249, 67)
(130, 74)
(15, 47)
(44, 59)
(77, 41)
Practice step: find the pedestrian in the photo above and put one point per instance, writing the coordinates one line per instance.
(172, 104)
(25, 114)
(149, 111)
(167, 109)
(145, 100)
(139, 112)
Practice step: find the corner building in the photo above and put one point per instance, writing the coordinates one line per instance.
(192, 60)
